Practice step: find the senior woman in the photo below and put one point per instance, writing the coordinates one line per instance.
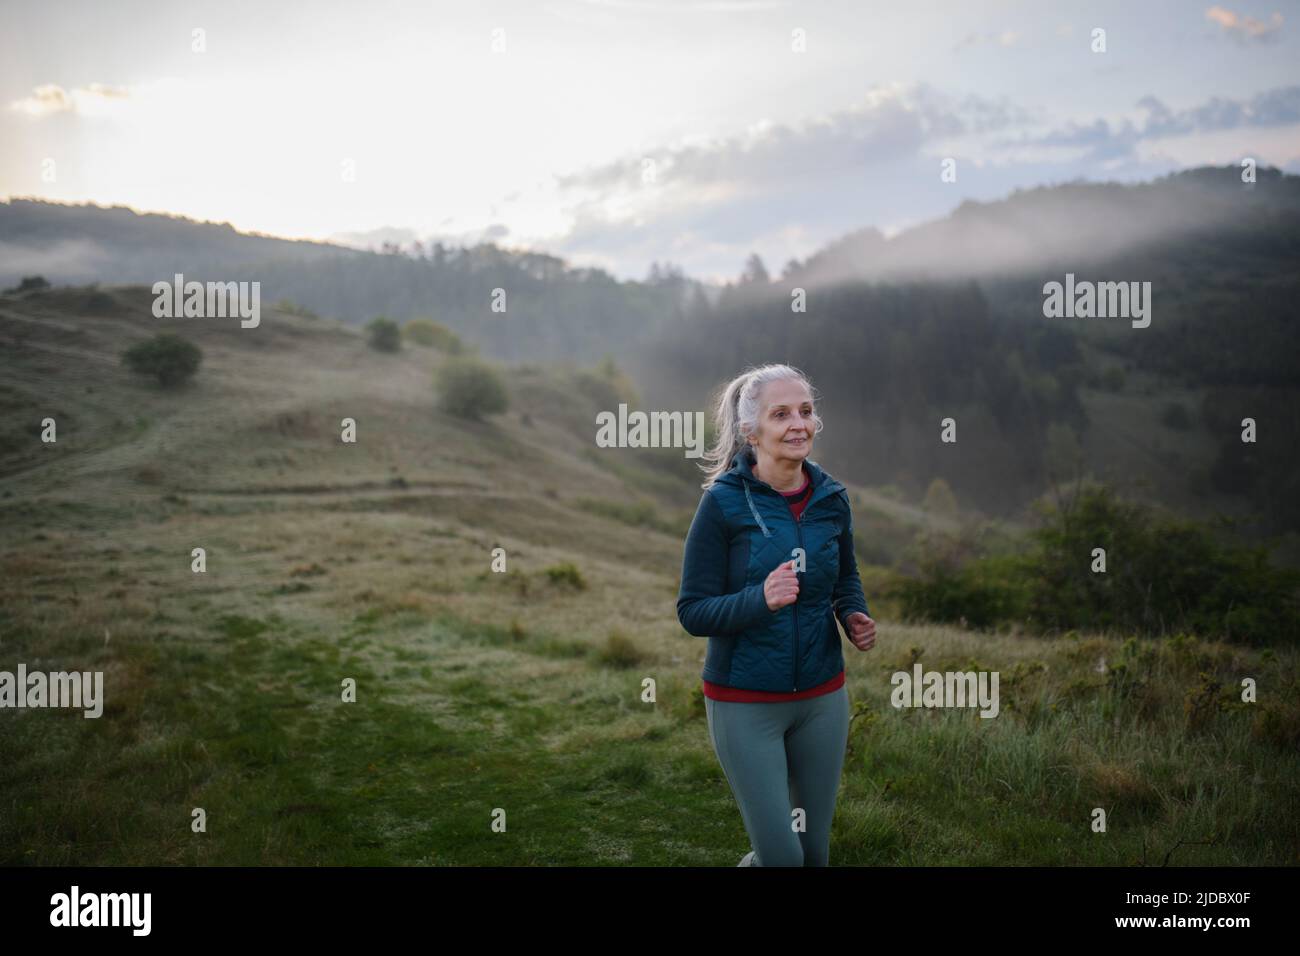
(768, 569)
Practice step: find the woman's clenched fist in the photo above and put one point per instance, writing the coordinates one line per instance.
(782, 586)
(862, 631)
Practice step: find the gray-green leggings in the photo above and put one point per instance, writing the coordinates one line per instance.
(778, 756)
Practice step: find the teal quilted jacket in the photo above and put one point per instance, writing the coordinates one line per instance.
(742, 530)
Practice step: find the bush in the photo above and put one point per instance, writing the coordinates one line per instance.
(979, 595)
(566, 574)
(384, 334)
(289, 307)
(939, 499)
(29, 284)
(433, 335)
(606, 386)
(470, 387)
(167, 357)
(619, 651)
(1162, 575)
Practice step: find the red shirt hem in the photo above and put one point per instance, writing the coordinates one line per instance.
(741, 695)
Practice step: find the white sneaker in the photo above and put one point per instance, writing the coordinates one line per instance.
(747, 859)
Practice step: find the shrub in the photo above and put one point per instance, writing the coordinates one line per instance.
(1162, 574)
(167, 357)
(606, 385)
(29, 284)
(470, 387)
(384, 334)
(433, 335)
(289, 307)
(566, 574)
(939, 498)
(979, 595)
(892, 492)
(619, 651)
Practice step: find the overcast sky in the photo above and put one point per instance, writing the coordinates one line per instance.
(619, 132)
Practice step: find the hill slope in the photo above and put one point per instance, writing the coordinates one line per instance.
(333, 568)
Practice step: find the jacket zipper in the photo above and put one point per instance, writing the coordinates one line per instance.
(794, 637)
(798, 527)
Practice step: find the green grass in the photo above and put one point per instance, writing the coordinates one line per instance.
(246, 721)
(251, 728)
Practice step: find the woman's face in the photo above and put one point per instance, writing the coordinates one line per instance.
(785, 422)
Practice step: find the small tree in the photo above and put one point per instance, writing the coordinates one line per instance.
(939, 499)
(469, 386)
(755, 271)
(384, 334)
(167, 357)
(433, 335)
(29, 284)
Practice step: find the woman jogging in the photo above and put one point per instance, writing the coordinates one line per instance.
(768, 569)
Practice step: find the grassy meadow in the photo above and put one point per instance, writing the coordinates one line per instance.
(520, 690)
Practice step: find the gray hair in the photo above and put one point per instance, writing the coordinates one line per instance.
(736, 414)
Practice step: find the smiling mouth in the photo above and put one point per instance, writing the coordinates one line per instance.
(797, 441)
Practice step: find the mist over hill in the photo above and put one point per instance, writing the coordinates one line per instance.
(515, 305)
(1192, 227)
(1077, 224)
(945, 319)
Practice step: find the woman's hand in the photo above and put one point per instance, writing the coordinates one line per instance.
(782, 586)
(862, 631)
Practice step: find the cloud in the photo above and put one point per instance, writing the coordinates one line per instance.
(50, 99)
(1101, 141)
(1245, 28)
(890, 123)
(783, 188)
(1007, 38)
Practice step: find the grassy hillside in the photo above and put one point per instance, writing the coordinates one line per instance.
(478, 690)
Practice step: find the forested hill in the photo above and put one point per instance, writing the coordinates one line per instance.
(551, 309)
(942, 320)
(1074, 225)
(1201, 233)
(1156, 410)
